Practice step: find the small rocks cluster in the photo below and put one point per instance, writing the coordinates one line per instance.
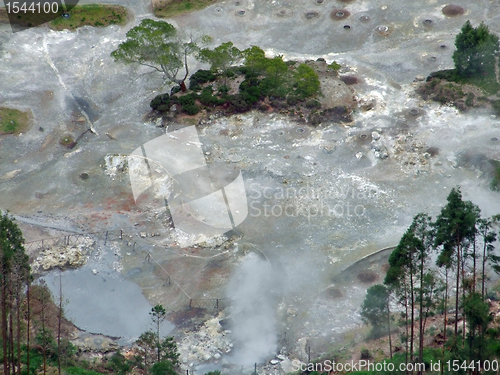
(207, 343)
(63, 256)
(115, 164)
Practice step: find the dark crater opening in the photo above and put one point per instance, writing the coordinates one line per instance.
(451, 10)
(339, 14)
(311, 15)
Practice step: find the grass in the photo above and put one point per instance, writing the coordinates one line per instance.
(91, 15)
(13, 121)
(172, 8)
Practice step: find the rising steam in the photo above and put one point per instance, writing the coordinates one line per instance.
(253, 289)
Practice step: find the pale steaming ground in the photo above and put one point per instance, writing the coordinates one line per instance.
(288, 290)
(254, 290)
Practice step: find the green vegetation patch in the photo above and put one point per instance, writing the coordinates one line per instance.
(80, 371)
(91, 15)
(172, 8)
(495, 183)
(13, 121)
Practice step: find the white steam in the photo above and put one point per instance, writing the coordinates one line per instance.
(254, 292)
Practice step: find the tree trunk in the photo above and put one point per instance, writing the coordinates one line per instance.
(389, 327)
(4, 324)
(18, 318)
(59, 327)
(445, 313)
(457, 292)
(412, 321)
(28, 329)
(421, 302)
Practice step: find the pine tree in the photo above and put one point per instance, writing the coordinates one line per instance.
(476, 50)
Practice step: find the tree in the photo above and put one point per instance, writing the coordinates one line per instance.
(14, 273)
(255, 59)
(163, 368)
(155, 44)
(221, 58)
(476, 50)
(307, 81)
(276, 68)
(158, 315)
(374, 309)
(119, 364)
(149, 348)
(454, 227)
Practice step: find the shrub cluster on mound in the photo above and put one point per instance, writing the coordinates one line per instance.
(258, 84)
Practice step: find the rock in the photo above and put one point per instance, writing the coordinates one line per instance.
(359, 155)
(281, 357)
(274, 361)
(115, 163)
(173, 109)
(384, 153)
(63, 256)
(142, 234)
(95, 272)
(217, 356)
(292, 312)
(159, 121)
(419, 78)
(375, 136)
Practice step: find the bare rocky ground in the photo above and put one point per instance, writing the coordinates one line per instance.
(319, 197)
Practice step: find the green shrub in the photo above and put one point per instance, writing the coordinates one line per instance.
(190, 109)
(251, 94)
(292, 100)
(223, 90)
(80, 371)
(162, 100)
(238, 104)
(495, 183)
(469, 102)
(365, 354)
(206, 97)
(313, 104)
(201, 76)
(186, 100)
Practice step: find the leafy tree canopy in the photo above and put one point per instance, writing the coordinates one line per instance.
(155, 44)
(476, 50)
